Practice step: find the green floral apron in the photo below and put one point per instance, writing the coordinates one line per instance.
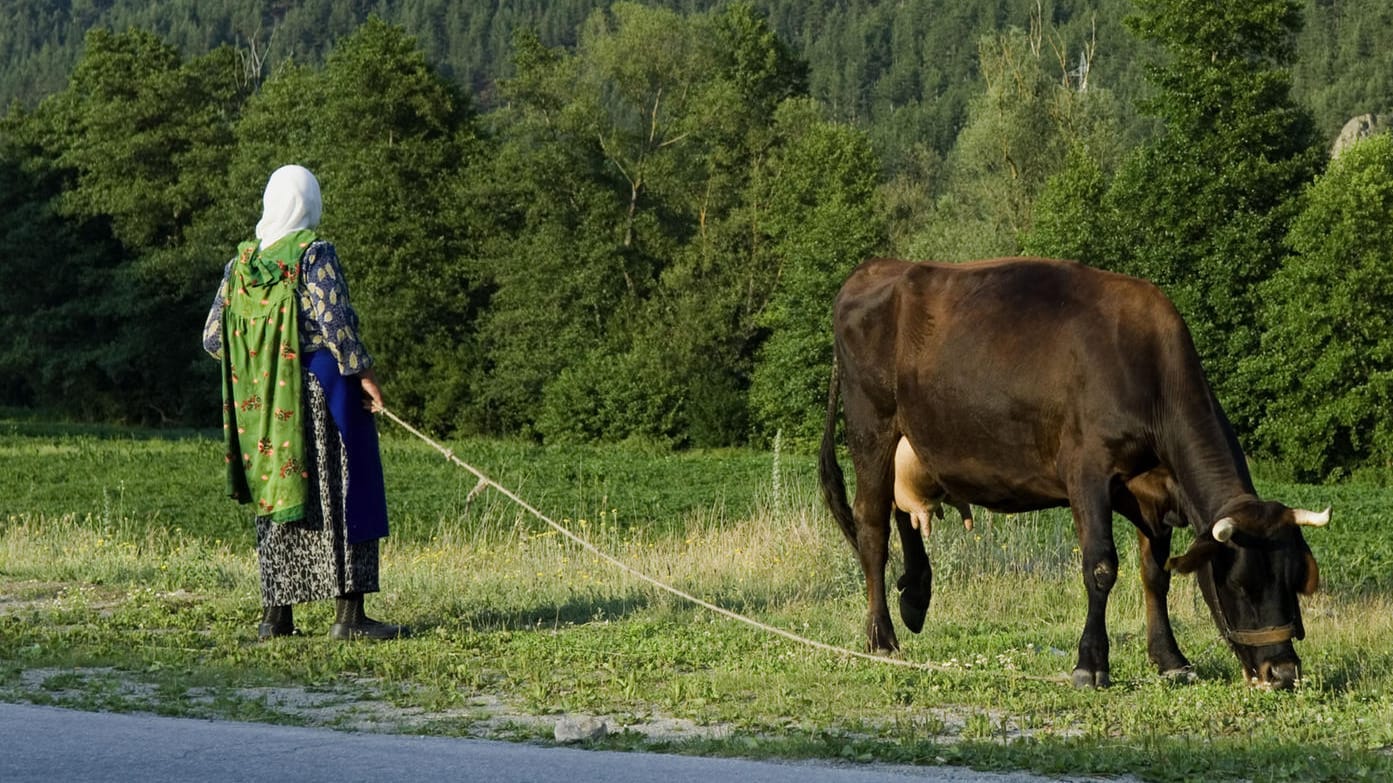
(263, 419)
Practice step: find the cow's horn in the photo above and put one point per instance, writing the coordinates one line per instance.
(1223, 529)
(1306, 518)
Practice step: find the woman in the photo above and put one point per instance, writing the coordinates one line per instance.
(298, 397)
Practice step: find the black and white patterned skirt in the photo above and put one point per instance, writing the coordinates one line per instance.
(311, 559)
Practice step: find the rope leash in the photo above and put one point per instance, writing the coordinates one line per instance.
(485, 481)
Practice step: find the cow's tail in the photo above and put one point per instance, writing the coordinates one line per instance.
(829, 470)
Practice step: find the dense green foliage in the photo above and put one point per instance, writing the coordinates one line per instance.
(581, 221)
(1020, 133)
(115, 168)
(644, 207)
(906, 71)
(1202, 208)
(602, 257)
(821, 210)
(1329, 366)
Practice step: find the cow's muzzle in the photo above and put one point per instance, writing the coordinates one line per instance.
(1279, 676)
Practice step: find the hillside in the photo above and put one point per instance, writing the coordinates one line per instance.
(903, 70)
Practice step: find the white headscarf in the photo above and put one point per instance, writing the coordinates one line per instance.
(291, 202)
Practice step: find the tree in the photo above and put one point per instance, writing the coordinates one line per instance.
(131, 154)
(823, 217)
(1069, 220)
(399, 146)
(142, 131)
(636, 226)
(705, 313)
(1202, 209)
(556, 270)
(1327, 349)
(53, 323)
(1037, 116)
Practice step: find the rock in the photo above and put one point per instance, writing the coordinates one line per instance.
(580, 728)
(1357, 128)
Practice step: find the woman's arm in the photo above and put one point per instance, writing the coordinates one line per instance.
(212, 328)
(327, 305)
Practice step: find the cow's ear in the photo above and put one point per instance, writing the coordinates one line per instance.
(1197, 555)
(1312, 575)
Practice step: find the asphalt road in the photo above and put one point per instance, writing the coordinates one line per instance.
(51, 745)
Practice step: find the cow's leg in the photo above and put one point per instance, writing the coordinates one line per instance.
(871, 441)
(872, 510)
(1145, 503)
(1153, 549)
(916, 585)
(1093, 522)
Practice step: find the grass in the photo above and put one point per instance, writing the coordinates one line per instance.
(127, 582)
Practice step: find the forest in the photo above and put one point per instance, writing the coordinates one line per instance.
(587, 221)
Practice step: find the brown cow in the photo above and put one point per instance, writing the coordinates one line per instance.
(1066, 386)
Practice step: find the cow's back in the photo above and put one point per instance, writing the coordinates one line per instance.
(1024, 321)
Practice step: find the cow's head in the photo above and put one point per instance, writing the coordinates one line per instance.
(1251, 565)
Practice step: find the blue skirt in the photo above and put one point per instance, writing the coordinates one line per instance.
(366, 500)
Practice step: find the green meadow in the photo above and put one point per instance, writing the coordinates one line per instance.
(128, 583)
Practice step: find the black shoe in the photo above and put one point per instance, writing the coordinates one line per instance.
(276, 621)
(368, 628)
(273, 631)
(351, 623)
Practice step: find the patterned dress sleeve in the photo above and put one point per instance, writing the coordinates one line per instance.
(212, 328)
(331, 320)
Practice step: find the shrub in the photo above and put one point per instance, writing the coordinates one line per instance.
(1327, 347)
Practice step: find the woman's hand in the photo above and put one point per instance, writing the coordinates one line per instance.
(372, 393)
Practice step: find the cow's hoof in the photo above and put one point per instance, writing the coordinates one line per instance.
(1083, 678)
(913, 612)
(883, 647)
(914, 602)
(914, 606)
(1183, 675)
(882, 643)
